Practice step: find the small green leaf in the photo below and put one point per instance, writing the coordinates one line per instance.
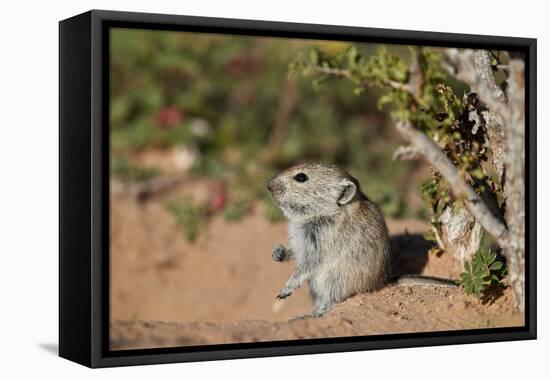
(481, 272)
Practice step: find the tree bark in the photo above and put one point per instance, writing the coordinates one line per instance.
(461, 233)
(514, 186)
(505, 123)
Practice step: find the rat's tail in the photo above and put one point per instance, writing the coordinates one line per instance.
(414, 279)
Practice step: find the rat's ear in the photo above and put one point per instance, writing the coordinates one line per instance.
(348, 192)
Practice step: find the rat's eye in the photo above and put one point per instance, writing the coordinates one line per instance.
(300, 177)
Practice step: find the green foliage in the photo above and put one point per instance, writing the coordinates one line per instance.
(436, 196)
(190, 217)
(380, 69)
(482, 272)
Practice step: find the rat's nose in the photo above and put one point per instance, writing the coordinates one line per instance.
(275, 187)
(269, 185)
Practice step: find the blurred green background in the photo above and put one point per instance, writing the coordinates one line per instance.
(224, 108)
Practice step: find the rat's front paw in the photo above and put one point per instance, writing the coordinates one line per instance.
(286, 292)
(278, 253)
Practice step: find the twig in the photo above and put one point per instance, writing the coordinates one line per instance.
(438, 240)
(332, 71)
(406, 153)
(347, 74)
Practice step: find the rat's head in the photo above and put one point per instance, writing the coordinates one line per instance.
(310, 190)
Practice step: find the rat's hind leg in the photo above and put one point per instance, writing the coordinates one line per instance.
(320, 306)
(317, 312)
(323, 299)
(313, 295)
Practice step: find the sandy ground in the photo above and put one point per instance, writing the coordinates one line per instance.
(166, 291)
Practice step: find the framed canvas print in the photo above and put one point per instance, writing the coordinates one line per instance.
(234, 188)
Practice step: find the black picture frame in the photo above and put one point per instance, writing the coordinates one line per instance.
(84, 188)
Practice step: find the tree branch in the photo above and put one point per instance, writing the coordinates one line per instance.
(461, 189)
(406, 153)
(474, 68)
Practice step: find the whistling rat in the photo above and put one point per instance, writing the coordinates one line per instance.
(337, 235)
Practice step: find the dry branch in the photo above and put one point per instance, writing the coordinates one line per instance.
(461, 189)
(474, 68)
(406, 153)
(464, 65)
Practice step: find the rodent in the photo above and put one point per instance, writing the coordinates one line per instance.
(337, 236)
